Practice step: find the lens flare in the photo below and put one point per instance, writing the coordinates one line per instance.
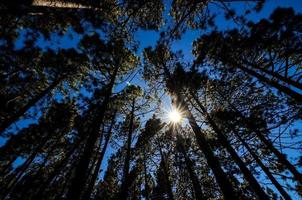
(175, 116)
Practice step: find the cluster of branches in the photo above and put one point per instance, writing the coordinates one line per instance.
(73, 127)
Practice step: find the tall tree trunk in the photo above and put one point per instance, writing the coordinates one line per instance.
(17, 175)
(295, 95)
(14, 7)
(220, 176)
(223, 182)
(190, 168)
(263, 167)
(166, 173)
(281, 157)
(95, 174)
(40, 190)
(276, 75)
(10, 120)
(125, 186)
(78, 181)
(145, 176)
(246, 172)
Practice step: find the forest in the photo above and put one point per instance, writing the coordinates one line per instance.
(150, 99)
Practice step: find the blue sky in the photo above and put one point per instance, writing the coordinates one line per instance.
(149, 38)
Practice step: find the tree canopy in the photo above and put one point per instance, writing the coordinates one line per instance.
(150, 100)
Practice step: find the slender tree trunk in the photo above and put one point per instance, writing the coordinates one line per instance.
(145, 176)
(278, 76)
(223, 182)
(95, 174)
(295, 95)
(220, 176)
(281, 157)
(246, 172)
(55, 172)
(10, 120)
(125, 186)
(78, 181)
(6, 168)
(263, 167)
(94, 162)
(17, 8)
(190, 168)
(166, 174)
(49, 154)
(17, 175)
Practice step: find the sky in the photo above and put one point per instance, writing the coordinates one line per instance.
(149, 38)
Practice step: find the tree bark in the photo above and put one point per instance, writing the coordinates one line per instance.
(91, 184)
(263, 167)
(295, 95)
(55, 172)
(17, 175)
(166, 174)
(10, 120)
(246, 172)
(278, 76)
(146, 177)
(281, 157)
(78, 181)
(125, 186)
(223, 182)
(190, 168)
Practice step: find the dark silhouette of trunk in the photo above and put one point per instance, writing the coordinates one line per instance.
(95, 174)
(128, 182)
(281, 157)
(245, 171)
(78, 181)
(49, 154)
(10, 120)
(277, 76)
(222, 180)
(125, 183)
(17, 175)
(55, 172)
(94, 162)
(263, 167)
(5, 170)
(295, 95)
(145, 176)
(190, 168)
(166, 174)
(61, 192)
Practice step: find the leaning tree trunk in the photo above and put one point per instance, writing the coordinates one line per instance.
(17, 175)
(220, 176)
(263, 167)
(166, 174)
(223, 182)
(10, 120)
(78, 181)
(30, 7)
(278, 76)
(145, 177)
(286, 90)
(281, 157)
(41, 189)
(125, 186)
(246, 172)
(95, 174)
(190, 168)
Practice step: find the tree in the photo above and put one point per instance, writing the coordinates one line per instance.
(259, 50)
(158, 59)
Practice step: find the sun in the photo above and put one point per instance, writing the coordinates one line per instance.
(174, 116)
